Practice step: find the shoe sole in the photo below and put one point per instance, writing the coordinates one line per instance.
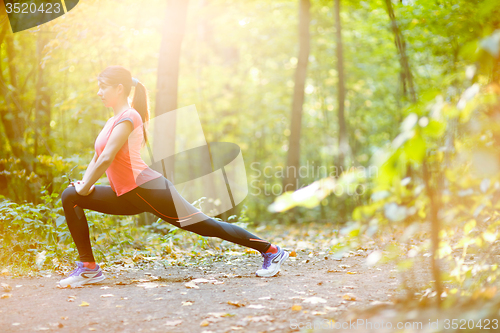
(278, 266)
(84, 282)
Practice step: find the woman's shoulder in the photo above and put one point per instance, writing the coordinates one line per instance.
(131, 112)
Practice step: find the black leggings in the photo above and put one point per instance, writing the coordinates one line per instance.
(157, 197)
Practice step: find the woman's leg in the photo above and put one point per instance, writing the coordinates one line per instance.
(103, 199)
(161, 203)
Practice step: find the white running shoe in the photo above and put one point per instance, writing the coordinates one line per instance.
(272, 262)
(82, 275)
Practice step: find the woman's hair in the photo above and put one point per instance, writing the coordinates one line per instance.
(115, 75)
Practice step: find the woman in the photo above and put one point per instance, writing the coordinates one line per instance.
(130, 193)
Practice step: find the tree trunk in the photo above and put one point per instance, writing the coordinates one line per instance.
(406, 77)
(13, 115)
(293, 161)
(42, 104)
(42, 114)
(434, 200)
(168, 74)
(344, 149)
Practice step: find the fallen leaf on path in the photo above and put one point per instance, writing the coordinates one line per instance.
(213, 319)
(148, 285)
(187, 303)
(262, 318)
(202, 280)
(59, 325)
(6, 287)
(173, 323)
(373, 258)
(204, 323)
(314, 300)
(352, 272)
(5, 271)
(380, 303)
(6, 296)
(237, 303)
(298, 292)
(317, 313)
(121, 283)
(349, 297)
(107, 295)
(219, 314)
(84, 304)
(333, 271)
(330, 308)
(191, 285)
(296, 308)
(293, 254)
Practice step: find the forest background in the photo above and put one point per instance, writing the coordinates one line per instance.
(408, 90)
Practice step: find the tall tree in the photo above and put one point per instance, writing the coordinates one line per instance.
(344, 149)
(293, 161)
(13, 115)
(168, 73)
(42, 110)
(406, 76)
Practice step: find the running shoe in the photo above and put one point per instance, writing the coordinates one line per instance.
(82, 275)
(272, 262)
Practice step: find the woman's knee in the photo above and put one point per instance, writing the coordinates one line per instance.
(69, 194)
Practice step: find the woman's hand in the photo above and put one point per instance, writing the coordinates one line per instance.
(80, 188)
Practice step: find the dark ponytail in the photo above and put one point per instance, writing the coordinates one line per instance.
(115, 75)
(140, 103)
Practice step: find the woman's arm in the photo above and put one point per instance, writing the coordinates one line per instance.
(116, 140)
(90, 167)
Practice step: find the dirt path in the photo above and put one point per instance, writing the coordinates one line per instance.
(310, 287)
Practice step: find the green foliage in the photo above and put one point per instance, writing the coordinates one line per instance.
(28, 230)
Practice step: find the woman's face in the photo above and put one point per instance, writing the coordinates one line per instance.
(109, 94)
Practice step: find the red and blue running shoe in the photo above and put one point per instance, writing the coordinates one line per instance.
(82, 275)
(272, 262)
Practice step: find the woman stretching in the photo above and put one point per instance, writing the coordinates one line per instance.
(129, 194)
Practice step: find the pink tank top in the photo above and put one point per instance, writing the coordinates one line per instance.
(128, 170)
